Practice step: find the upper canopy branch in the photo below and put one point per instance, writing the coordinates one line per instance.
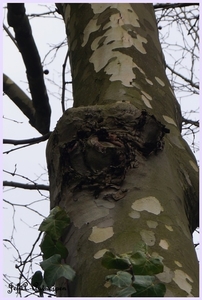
(23, 35)
(172, 5)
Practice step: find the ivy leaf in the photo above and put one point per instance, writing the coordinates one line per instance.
(121, 279)
(50, 247)
(141, 246)
(146, 286)
(143, 264)
(111, 261)
(55, 223)
(127, 292)
(37, 279)
(54, 269)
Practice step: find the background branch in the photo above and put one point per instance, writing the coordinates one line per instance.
(63, 81)
(26, 186)
(24, 103)
(173, 5)
(23, 35)
(27, 141)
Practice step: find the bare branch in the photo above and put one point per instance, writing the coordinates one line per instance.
(23, 35)
(63, 82)
(173, 5)
(27, 141)
(11, 150)
(191, 122)
(27, 206)
(12, 90)
(26, 186)
(183, 77)
(10, 35)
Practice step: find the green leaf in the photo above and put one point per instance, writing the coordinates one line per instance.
(127, 292)
(50, 247)
(54, 269)
(143, 264)
(55, 223)
(121, 279)
(141, 246)
(146, 286)
(111, 261)
(37, 279)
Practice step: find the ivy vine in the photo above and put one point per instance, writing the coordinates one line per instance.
(54, 252)
(135, 275)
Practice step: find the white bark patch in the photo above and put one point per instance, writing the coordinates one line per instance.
(176, 141)
(128, 16)
(100, 253)
(121, 69)
(99, 235)
(166, 276)
(152, 224)
(115, 63)
(169, 120)
(91, 27)
(160, 81)
(138, 43)
(164, 244)
(67, 14)
(178, 263)
(150, 204)
(148, 237)
(194, 166)
(134, 214)
(171, 91)
(146, 101)
(181, 278)
(169, 227)
(146, 95)
(149, 81)
(186, 175)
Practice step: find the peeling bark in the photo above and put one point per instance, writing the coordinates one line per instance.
(117, 162)
(110, 170)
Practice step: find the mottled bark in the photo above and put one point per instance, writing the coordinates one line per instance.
(117, 162)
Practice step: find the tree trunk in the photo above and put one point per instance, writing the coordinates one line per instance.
(117, 162)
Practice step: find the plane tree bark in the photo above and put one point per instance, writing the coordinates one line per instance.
(117, 161)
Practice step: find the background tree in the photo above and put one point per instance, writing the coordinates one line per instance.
(112, 139)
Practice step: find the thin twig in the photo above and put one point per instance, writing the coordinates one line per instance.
(172, 5)
(63, 81)
(184, 78)
(10, 35)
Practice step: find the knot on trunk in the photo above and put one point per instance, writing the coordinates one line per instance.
(100, 143)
